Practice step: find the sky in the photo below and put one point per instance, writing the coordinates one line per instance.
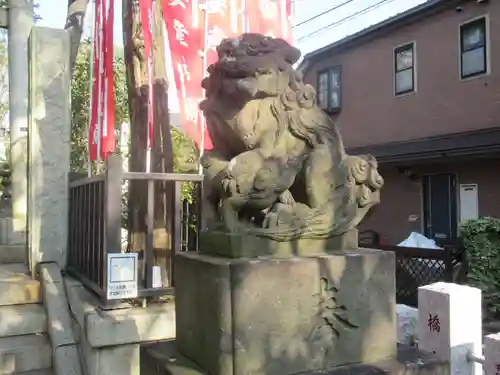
(347, 19)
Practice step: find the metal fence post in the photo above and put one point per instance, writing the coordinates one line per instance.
(112, 213)
(448, 264)
(199, 213)
(149, 247)
(176, 229)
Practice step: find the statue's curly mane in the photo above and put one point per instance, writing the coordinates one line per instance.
(305, 120)
(263, 66)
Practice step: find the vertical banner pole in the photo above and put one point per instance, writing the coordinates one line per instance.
(91, 85)
(147, 21)
(201, 118)
(99, 85)
(150, 91)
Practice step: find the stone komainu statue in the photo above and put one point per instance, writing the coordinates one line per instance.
(278, 169)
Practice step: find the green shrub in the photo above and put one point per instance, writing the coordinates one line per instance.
(481, 239)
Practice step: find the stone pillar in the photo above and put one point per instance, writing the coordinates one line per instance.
(48, 145)
(21, 18)
(450, 325)
(492, 354)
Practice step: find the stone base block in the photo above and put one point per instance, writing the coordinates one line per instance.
(281, 316)
(241, 245)
(408, 361)
(123, 326)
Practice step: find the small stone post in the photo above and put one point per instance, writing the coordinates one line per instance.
(492, 354)
(450, 325)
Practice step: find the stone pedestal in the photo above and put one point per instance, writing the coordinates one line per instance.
(280, 316)
(409, 361)
(240, 245)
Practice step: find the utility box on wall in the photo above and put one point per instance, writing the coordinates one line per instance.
(469, 202)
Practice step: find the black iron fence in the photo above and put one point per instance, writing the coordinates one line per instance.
(189, 225)
(96, 223)
(417, 267)
(95, 226)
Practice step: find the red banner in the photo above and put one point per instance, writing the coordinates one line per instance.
(286, 21)
(185, 25)
(146, 11)
(196, 27)
(102, 137)
(223, 20)
(95, 89)
(270, 17)
(108, 136)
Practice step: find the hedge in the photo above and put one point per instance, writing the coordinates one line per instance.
(481, 240)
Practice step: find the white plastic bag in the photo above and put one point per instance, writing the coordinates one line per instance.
(419, 240)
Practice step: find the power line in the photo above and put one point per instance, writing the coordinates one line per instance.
(325, 12)
(342, 20)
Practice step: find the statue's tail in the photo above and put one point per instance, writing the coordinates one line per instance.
(318, 225)
(336, 217)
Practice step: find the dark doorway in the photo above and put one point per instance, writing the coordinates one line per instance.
(440, 208)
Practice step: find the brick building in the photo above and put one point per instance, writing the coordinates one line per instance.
(421, 92)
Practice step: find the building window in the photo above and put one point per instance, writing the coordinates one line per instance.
(329, 89)
(473, 51)
(404, 69)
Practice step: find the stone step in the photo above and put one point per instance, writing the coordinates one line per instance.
(16, 286)
(24, 353)
(12, 254)
(7, 234)
(20, 320)
(6, 230)
(14, 268)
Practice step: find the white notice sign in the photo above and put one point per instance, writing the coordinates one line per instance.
(122, 275)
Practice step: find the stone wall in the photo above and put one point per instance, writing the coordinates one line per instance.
(109, 338)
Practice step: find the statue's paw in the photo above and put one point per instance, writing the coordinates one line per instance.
(229, 186)
(271, 220)
(287, 198)
(278, 215)
(234, 227)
